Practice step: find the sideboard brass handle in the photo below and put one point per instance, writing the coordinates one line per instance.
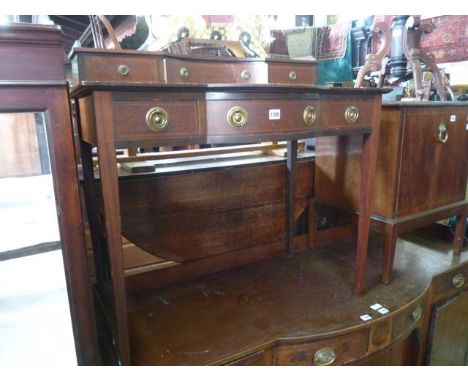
(351, 114)
(183, 72)
(324, 357)
(245, 74)
(157, 118)
(237, 117)
(292, 75)
(458, 280)
(442, 137)
(310, 115)
(123, 70)
(417, 313)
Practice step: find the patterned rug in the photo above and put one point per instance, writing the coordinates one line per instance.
(333, 41)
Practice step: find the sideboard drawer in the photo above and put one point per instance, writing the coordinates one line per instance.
(122, 69)
(279, 73)
(342, 114)
(333, 351)
(250, 118)
(450, 282)
(156, 121)
(198, 72)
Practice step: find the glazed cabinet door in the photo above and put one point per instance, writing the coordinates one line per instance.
(434, 156)
(448, 338)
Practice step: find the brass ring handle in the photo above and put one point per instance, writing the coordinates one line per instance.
(351, 114)
(123, 70)
(310, 115)
(458, 281)
(245, 74)
(157, 118)
(183, 72)
(442, 136)
(324, 357)
(292, 75)
(237, 117)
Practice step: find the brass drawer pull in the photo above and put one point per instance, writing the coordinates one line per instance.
(245, 74)
(157, 118)
(351, 114)
(292, 75)
(458, 281)
(123, 70)
(237, 117)
(442, 137)
(324, 357)
(309, 115)
(417, 313)
(183, 72)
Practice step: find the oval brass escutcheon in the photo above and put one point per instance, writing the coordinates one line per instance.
(245, 74)
(458, 280)
(351, 114)
(183, 72)
(123, 70)
(292, 75)
(442, 137)
(157, 118)
(237, 117)
(324, 357)
(310, 115)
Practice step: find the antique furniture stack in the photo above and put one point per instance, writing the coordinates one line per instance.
(209, 262)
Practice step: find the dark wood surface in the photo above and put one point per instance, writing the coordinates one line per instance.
(281, 304)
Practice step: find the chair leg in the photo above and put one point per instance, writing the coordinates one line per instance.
(459, 234)
(390, 238)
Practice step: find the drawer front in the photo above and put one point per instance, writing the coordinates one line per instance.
(291, 74)
(122, 69)
(449, 283)
(132, 121)
(348, 113)
(334, 351)
(261, 117)
(408, 319)
(256, 359)
(182, 71)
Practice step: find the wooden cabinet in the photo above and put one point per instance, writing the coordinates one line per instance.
(422, 171)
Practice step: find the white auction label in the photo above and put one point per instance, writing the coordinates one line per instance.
(376, 306)
(453, 118)
(383, 311)
(365, 317)
(274, 114)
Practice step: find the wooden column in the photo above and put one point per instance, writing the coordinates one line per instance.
(110, 197)
(368, 165)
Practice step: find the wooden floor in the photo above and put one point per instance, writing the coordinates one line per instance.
(236, 311)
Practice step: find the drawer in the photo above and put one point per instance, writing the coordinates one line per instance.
(256, 359)
(255, 118)
(449, 283)
(334, 351)
(408, 319)
(122, 68)
(132, 121)
(291, 73)
(347, 113)
(193, 72)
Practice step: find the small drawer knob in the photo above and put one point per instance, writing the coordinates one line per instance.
(292, 75)
(245, 74)
(123, 70)
(157, 118)
(458, 281)
(237, 117)
(310, 115)
(183, 72)
(324, 357)
(442, 135)
(351, 114)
